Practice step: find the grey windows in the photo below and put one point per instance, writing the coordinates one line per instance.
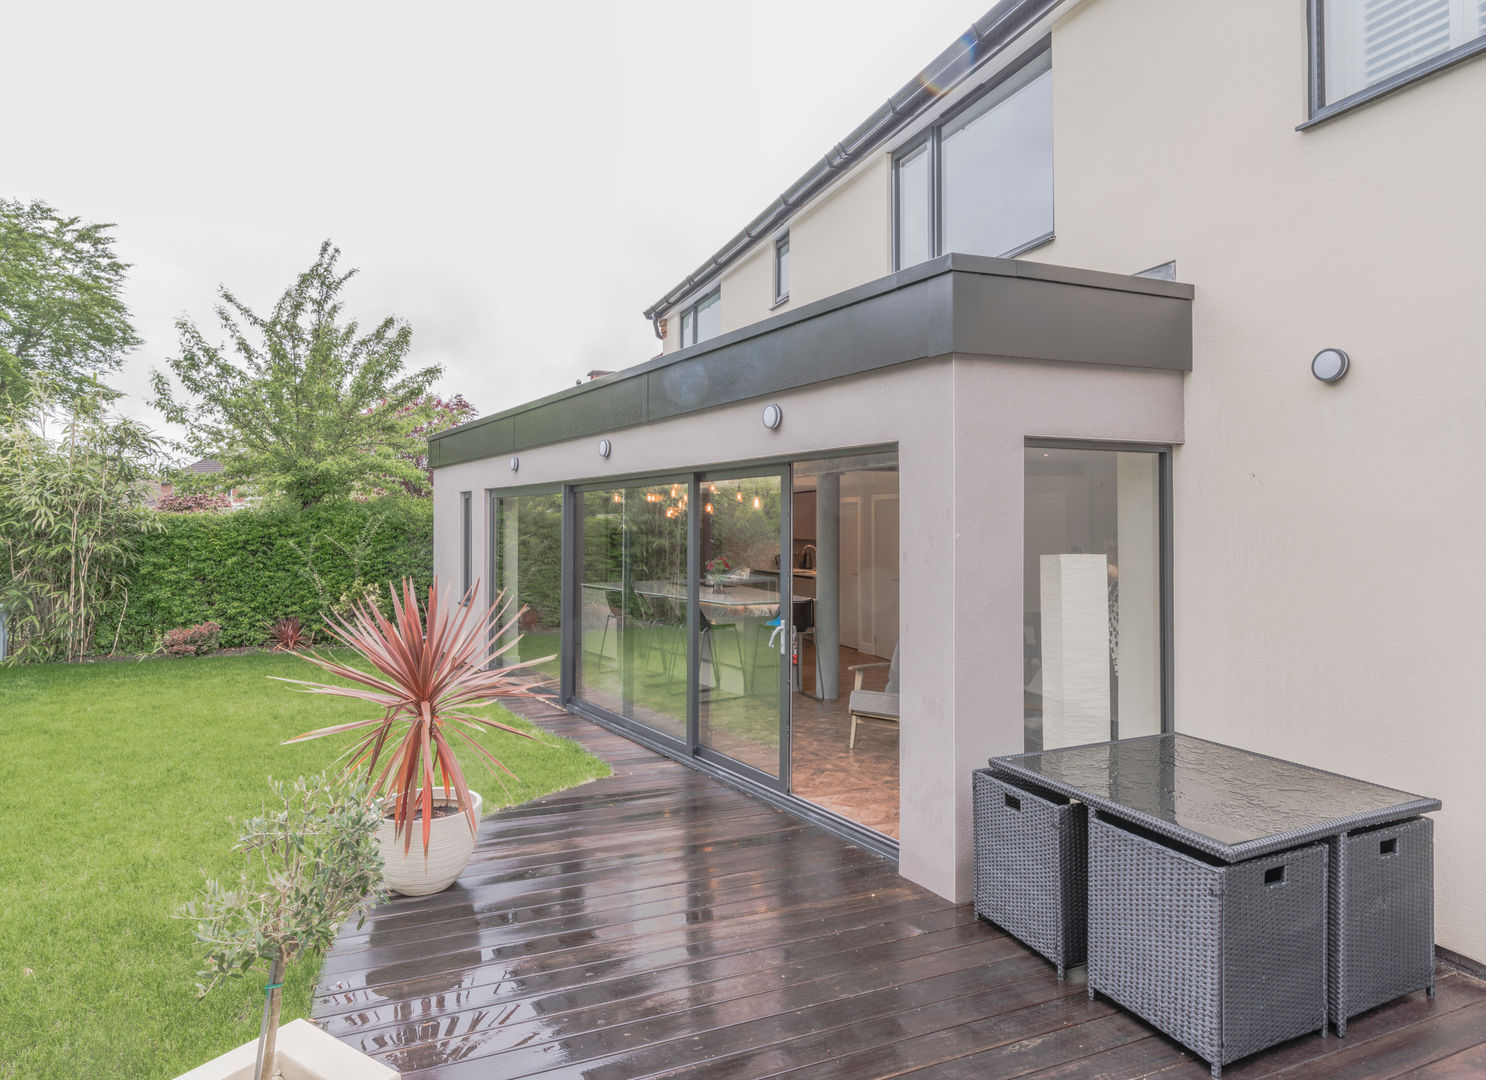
(702, 320)
(981, 181)
(1361, 49)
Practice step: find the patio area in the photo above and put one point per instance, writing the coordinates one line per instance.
(659, 922)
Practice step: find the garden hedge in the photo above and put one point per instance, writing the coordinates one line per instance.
(243, 569)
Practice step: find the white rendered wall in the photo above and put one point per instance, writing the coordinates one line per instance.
(960, 426)
(1330, 547)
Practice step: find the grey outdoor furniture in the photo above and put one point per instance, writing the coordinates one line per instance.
(1237, 900)
(1031, 867)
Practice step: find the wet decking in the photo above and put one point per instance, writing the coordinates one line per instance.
(659, 923)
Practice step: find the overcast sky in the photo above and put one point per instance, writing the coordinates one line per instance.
(518, 181)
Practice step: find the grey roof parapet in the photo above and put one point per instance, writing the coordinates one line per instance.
(967, 304)
(986, 37)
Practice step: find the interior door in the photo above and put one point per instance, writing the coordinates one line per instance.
(884, 574)
(743, 622)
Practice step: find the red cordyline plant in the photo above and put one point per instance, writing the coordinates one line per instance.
(287, 634)
(431, 665)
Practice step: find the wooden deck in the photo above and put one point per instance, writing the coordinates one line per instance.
(659, 923)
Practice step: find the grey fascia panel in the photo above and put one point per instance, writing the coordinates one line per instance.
(963, 304)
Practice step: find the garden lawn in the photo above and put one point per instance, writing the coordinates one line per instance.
(125, 785)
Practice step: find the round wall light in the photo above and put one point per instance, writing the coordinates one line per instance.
(605, 448)
(773, 417)
(515, 463)
(1329, 365)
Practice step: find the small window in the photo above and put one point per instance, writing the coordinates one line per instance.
(781, 269)
(981, 182)
(466, 542)
(1368, 44)
(702, 320)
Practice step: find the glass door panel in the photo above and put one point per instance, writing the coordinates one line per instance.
(741, 643)
(631, 658)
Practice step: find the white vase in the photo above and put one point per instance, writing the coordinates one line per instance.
(415, 872)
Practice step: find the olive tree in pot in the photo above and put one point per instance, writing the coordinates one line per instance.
(430, 665)
(318, 861)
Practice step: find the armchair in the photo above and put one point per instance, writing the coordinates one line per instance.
(874, 706)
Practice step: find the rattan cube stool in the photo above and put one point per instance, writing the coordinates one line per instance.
(1226, 958)
(1031, 867)
(1382, 917)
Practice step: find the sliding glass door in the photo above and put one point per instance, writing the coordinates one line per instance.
(742, 641)
(631, 642)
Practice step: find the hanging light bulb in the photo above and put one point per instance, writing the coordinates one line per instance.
(757, 505)
(740, 497)
(707, 508)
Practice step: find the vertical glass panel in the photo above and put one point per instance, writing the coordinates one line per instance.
(528, 567)
(632, 638)
(466, 541)
(688, 328)
(709, 316)
(741, 639)
(913, 206)
(998, 166)
(781, 268)
(1092, 596)
(844, 675)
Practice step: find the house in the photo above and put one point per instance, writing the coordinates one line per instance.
(1128, 378)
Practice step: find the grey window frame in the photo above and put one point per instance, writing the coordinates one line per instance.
(689, 312)
(780, 295)
(934, 137)
(1319, 110)
(1165, 537)
(466, 544)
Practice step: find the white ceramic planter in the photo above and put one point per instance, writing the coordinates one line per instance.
(450, 845)
(302, 1052)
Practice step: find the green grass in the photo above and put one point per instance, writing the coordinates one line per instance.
(125, 784)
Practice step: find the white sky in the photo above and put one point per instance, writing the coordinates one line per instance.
(519, 181)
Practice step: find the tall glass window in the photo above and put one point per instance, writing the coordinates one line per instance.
(997, 166)
(913, 209)
(1092, 596)
(632, 655)
(781, 269)
(981, 182)
(528, 568)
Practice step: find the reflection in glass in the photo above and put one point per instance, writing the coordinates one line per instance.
(631, 655)
(709, 317)
(1091, 596)
(913, 206)
(998, 167)
(740, 640)
(528, 566)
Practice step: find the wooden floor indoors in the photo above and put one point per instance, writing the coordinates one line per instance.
(660, 923)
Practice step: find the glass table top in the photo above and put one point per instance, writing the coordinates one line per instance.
(1224, 800)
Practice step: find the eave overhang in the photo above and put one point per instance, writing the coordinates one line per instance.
(956, 304)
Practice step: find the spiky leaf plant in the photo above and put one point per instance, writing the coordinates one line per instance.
(431, 665)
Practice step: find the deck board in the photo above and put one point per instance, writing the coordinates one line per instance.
(660, 923)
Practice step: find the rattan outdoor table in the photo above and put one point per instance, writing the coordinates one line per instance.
(1237, 900)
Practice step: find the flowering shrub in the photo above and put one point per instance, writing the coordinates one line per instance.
(192, 504)
(195, 640)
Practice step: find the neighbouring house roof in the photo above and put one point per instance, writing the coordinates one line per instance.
(986, 37)
(205, 465)
(966, 304)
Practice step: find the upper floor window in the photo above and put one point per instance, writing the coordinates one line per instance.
(1368, 43)
(703, 319)
(981, 181)
(781, 269)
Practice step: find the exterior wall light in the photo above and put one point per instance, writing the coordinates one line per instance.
(1330, 365)
(515, 463)
(605, 448)
(773, 417)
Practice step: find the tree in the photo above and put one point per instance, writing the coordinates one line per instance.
(287, 405)
(434, 414)
(71, 514)
(63, 322)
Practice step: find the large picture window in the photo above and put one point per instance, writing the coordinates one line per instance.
(527, 568)
(702, 320)
(1379, 43)
(981, 182)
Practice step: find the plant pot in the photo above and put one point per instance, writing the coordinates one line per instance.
(303, 1052)
(415, 872)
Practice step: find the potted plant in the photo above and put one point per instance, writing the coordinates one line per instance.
(430, 665)
(718, 569)
(319, 862)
